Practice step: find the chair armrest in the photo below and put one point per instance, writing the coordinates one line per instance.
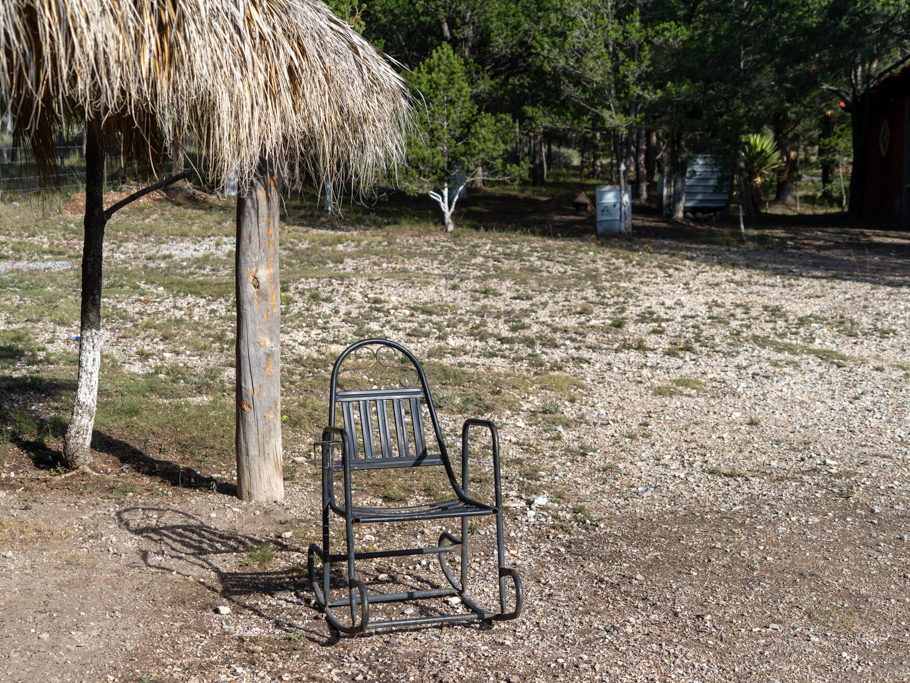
(494, 435)
(326, 444)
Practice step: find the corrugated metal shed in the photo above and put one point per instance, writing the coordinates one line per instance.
(706, 187)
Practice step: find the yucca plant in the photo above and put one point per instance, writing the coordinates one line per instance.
(760, 162)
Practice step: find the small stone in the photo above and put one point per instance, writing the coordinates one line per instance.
(830, 463)
(903, 537)
(382, 577)
(774, 627)
(299, 459)
(453, 600)
(540, 501)
(639, 578)
(875, 510)
(287, 534)
(223, 609)
(409, 610)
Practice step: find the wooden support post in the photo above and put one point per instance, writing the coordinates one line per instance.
(258, 397)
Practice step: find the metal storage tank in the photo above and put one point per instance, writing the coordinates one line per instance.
(614, 212)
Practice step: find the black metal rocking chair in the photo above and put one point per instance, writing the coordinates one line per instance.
(383, 427)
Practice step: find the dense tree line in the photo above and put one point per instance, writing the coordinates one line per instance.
(647, 83)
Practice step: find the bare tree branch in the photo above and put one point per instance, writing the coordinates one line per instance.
(145, 190)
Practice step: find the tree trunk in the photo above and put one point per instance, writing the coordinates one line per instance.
(788, 144)
(859, 125)
(327, 198)
(177, 156)
(258, 394)
(679, 196)
(651, 155)
(538, 163)
(827, 153)
(679, 180)
(641, 176)
(664, 202)
(77, 443)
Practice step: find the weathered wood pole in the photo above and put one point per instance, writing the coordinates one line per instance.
(77, 444)
(258, 397)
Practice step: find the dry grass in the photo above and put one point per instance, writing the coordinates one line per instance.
(279, 80)
(26, 533)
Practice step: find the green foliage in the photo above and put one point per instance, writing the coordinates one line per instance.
(761, 159)
(453, 142)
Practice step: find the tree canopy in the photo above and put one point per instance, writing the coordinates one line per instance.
(630, 78)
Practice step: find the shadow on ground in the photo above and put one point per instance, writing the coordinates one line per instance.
(185, 545)
(168, 472)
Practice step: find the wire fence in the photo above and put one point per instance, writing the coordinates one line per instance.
(19, 171)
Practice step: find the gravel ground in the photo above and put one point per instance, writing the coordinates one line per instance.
(724, 500)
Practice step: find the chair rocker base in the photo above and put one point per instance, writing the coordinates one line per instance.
(359, 599)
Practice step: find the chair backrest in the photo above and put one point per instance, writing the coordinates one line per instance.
(379, 394)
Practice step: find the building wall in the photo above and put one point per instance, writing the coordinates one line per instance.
(884, 191)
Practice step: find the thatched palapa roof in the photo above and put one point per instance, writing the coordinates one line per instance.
(283, 80)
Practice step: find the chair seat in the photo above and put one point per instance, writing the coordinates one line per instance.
(446, 508)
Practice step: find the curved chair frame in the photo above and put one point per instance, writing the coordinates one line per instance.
(340, 454)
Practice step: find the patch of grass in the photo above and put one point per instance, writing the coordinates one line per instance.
(619, 322)
(123, 489)
(636, 345)
(834, 617)
(260, 555)
(27, 533)
(795, 349)
(692, 383)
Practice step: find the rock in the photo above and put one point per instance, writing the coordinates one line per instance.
(540, 501)
(223, 609)
(287, 534)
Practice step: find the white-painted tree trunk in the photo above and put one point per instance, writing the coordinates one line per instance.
(78, 440)
(79, 433)
(447, 202)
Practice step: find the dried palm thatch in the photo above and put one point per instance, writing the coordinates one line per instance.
(284, 81)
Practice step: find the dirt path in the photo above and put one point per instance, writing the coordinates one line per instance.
(129, 589)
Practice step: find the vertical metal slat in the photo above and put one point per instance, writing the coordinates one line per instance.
(417, 422)
(401, 429)
(348, 413)
(366, 425)
(382, 416)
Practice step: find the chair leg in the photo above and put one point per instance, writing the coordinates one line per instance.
(505, 572)
(357, 591)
